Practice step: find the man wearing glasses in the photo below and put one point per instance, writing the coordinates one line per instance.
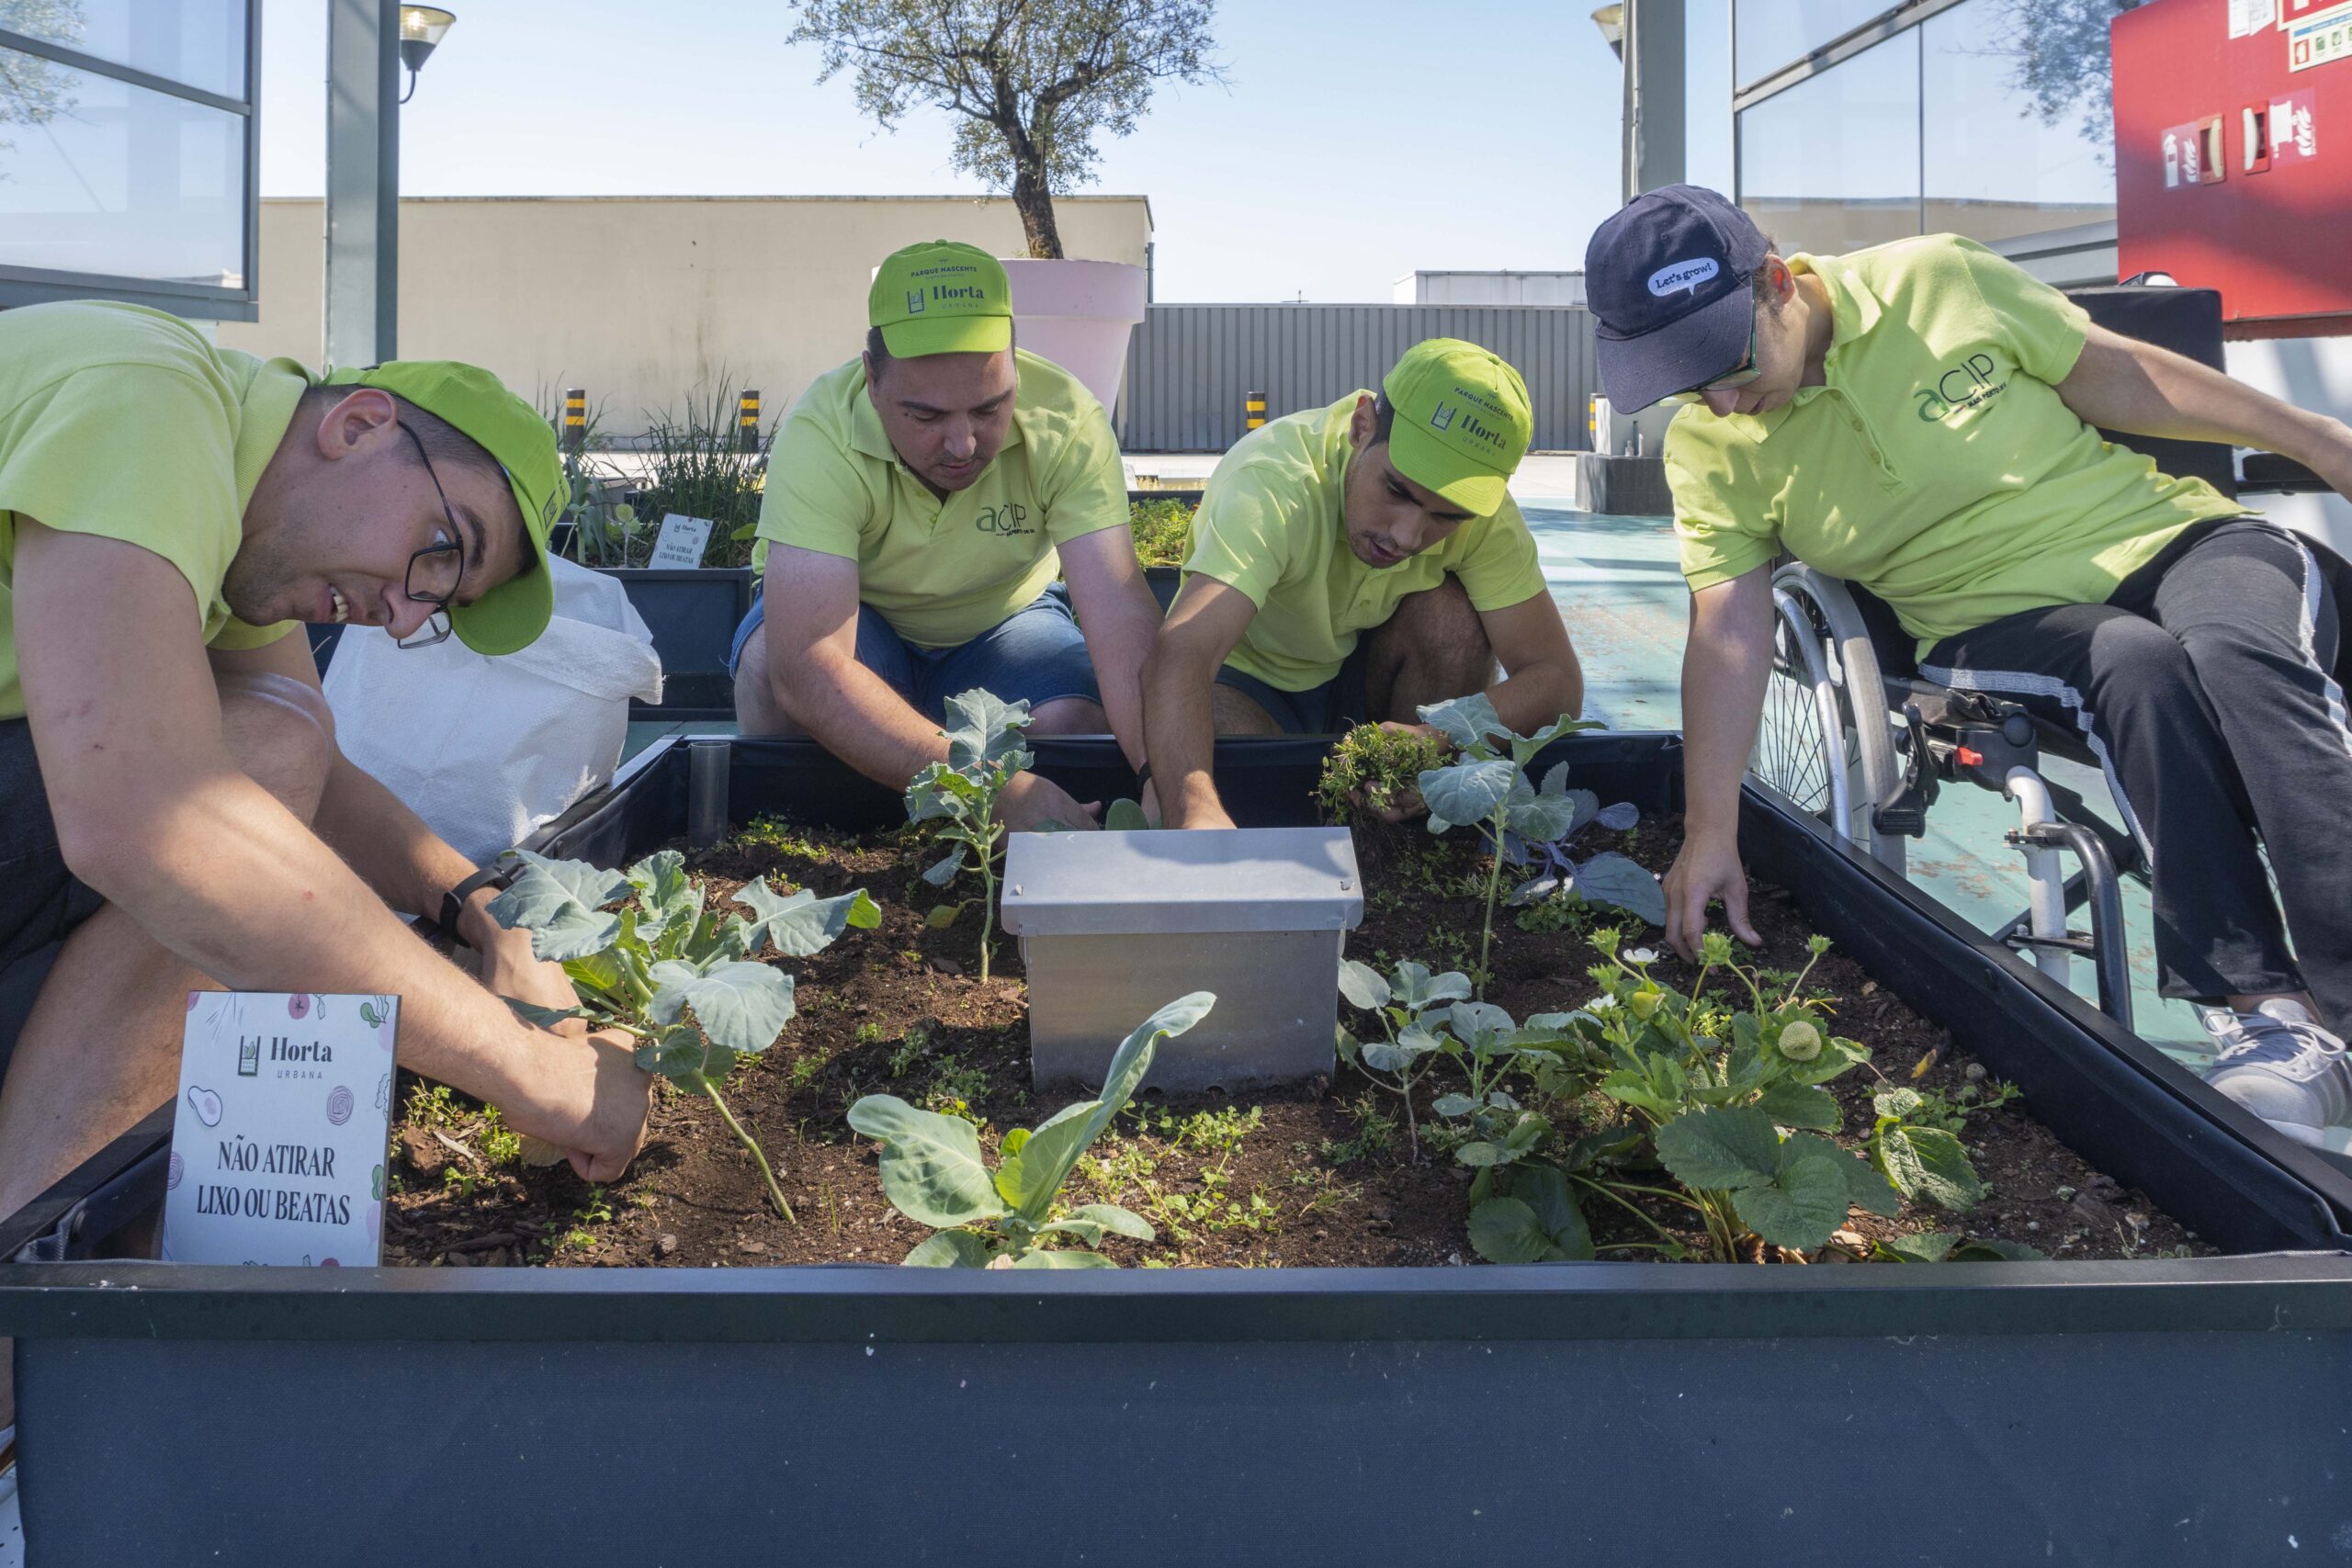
(173, 808)
(1923, 419)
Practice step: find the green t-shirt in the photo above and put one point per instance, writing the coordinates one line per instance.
(1269, 525)
(944, 571)
(1938, 467)
(122, 422)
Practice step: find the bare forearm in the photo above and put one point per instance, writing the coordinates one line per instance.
(2121, 384)
(385, 844)
(231, 881)
(1531, 698)
(1725, 664)
(1181, 730)
(856, 716)
(1119, 651)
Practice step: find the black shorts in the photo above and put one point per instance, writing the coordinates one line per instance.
(40, 901)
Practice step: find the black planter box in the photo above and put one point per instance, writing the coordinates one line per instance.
(2158, 1412)
(693, 613)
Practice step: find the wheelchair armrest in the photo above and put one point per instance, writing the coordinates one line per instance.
(2268, 473)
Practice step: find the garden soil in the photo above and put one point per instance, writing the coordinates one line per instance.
(1318, 1176)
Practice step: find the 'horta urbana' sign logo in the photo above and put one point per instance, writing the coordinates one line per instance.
(1964, 386)
(914, 301)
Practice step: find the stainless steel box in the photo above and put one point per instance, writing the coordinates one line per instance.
(1114, 926)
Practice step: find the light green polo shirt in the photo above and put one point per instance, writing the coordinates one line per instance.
(123, 422)
(1269, 525)
(1937, 466)
(944, 571)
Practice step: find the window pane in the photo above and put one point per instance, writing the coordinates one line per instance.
(200, 42)
(1992, 168)
(1833, 163)
(100, 176)
(1773, 33)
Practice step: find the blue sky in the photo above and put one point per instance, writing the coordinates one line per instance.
(1354, 142)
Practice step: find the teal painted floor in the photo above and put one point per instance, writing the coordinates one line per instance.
(1617, 584)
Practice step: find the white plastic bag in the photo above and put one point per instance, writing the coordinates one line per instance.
(486, 749)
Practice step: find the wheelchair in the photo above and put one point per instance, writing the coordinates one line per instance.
(1853, 734)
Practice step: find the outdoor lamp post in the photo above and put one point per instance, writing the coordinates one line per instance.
(420, 30)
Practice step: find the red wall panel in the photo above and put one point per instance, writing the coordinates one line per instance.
(2275, 241)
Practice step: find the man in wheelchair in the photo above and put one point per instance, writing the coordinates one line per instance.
(1919, 418)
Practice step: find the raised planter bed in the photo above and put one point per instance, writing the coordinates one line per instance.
(2042, 1408)
(693, 613)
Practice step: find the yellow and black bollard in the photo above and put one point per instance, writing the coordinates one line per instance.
(747, 420)
(1253, 410)
(575, 418)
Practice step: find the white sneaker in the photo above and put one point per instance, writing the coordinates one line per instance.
(2279, 1064)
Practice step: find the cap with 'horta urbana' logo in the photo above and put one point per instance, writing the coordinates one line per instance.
(510, 617)
(1462, 422)
(1667, 280)
(941, 297)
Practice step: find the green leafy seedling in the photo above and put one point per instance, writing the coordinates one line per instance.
(984, 752)
(1942, 1246)
(1487, 784)
(649, 959)
(1922, 1159)
(934, 1173)
(1409, 1004)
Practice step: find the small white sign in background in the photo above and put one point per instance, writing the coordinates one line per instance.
(284, 1113)
(682, 541)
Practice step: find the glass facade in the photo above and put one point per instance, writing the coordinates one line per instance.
(1776, 33)
(1833, 163)
(1926, 131)
(199, 42)
(117, 180)
(126, 152)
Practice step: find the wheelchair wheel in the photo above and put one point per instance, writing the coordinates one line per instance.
(1824, 739)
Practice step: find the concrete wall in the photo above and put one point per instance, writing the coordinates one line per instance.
(642, 301)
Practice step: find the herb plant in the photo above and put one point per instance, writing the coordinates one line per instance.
(934, 1173)
(1376, 770)
(649, 959)
(984, 751)
(1487, 784)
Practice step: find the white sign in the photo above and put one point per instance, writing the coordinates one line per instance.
(2322, 37)
(285, 1110)
(682, 541)
(2250, 17)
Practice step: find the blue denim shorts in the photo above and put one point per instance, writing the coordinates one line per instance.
(1332, 708)
(1037, 655)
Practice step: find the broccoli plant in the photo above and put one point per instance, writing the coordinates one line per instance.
(1487, 784)
(933, 1172)
(984, 752)
(1608, 877)
(648, 958)
(1407, 1005)
(1377, 769)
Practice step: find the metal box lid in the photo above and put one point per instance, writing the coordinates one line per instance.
(1207, 879)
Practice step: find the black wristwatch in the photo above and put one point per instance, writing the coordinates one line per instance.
(499, 874)
(1142, 778)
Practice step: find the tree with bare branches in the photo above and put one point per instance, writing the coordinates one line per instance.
(1035, 80)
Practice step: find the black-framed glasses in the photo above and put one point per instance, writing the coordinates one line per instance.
(434, 571)
(1739, 375)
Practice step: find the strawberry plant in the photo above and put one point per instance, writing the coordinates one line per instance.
(1376, 770)
(984, 751)
(934, 1172)
(648, 958)
(1486, 783)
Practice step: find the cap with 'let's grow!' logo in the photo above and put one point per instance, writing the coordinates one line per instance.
(1462, 422)
(941, 297)
(1668, 279)
(510, 617)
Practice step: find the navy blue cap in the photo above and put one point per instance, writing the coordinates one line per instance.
(1667, 282)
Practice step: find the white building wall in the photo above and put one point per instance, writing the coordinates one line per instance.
(1490, 288)
(2313, 373)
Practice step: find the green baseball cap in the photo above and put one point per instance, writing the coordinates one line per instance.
(941, 297)
(511, 615)
(1462, 422)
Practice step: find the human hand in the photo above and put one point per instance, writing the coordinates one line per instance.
(1029, 803)
(590, 1100)
(1410, 804)
(510, 968)
(1707, 868)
